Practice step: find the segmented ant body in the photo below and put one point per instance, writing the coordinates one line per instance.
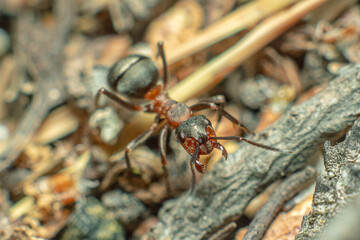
(137, 76)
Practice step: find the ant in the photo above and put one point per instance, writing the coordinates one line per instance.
(136, 76)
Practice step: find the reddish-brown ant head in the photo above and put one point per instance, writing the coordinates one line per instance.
(133, 76)
(196, 130)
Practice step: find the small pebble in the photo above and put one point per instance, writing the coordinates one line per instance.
(91, 220)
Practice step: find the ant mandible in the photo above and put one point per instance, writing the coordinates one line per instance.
(136, 76)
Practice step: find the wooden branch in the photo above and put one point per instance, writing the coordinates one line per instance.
(335, 189)
(223, 193)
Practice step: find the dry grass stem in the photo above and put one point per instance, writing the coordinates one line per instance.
(240, 19)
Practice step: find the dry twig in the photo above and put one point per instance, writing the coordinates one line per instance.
(284, 192)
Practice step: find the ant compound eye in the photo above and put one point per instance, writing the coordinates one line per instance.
(207, 122)
(181, 137)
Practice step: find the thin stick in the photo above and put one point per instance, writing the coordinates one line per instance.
(284, 192)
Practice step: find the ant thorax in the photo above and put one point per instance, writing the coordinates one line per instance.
(177, 114)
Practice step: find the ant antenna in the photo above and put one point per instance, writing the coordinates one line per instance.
(235, 138)
(194, 158)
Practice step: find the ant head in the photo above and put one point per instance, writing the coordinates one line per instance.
(195, 131)
(133, 76)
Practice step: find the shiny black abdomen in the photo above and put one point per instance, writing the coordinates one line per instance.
(133, 76)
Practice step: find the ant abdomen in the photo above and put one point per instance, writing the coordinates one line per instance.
(133, 76)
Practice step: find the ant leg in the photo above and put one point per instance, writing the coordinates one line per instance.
(162, 145)
(194, 160)
(119, 99)
(236, 138)
(213, 106)
(220, 101)
(161, 52)
(139, 140)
